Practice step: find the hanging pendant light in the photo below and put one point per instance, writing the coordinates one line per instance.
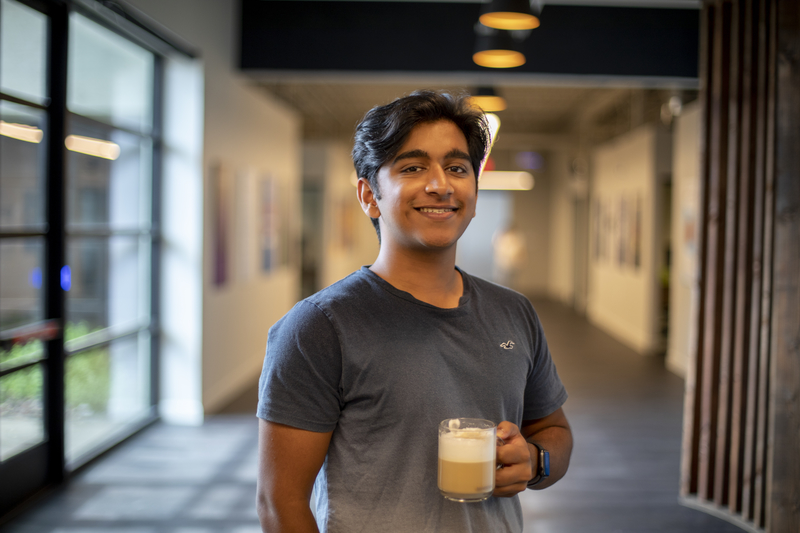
(497, 49)
(511, 15)
(488, 100)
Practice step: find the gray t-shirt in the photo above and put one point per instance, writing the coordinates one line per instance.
(381, 369)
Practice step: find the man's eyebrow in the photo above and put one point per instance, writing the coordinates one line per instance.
(410, 155)
(455, 153)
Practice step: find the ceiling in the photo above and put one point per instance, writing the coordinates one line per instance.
(615, 67)
(331, 109)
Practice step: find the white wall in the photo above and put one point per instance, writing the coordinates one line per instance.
(474, 253)
(531, 214)
(349, 240)
(247, 134)
(623, 298)
(561, 249)
(684, 270)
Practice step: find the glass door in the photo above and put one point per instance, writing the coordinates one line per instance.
(109, 229)
(78, 240)
(27, 326)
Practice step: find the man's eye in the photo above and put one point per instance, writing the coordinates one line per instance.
(411, 169)
(458, 169)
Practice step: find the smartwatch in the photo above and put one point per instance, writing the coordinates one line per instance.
(543, 469)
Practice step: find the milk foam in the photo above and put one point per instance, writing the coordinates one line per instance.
(468, 445)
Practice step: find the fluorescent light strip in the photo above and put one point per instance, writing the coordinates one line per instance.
(93, 147)
(500, 180)
(21, 132)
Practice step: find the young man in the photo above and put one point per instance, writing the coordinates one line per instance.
(357, 377)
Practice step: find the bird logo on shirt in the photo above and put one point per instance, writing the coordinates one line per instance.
(509, 345)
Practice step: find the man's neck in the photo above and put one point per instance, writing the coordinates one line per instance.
(429, 277)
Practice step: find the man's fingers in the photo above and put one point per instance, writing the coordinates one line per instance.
(508, 431)
(515, 458)
(512, 455)
(510, 480)
(513, 474)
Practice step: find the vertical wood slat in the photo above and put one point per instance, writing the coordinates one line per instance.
(761, 449)
(758, 271)
(783, 474)
(694, 377)
(729, 230)
(714, 245)
(744, 262)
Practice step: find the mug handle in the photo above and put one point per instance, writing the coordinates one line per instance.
(500, 442)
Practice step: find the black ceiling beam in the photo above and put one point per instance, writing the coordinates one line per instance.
(438, 37)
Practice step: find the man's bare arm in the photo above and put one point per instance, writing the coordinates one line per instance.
(554, 435)
(521, 458)
(288, 462)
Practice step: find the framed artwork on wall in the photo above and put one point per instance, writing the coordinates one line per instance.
(268, 234)
(219, 189)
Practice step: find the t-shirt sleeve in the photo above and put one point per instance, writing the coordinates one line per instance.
(544, 392)
(300, 379)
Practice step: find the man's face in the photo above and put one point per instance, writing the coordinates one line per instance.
(427, 190)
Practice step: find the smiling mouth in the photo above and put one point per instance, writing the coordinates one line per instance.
(437, 209)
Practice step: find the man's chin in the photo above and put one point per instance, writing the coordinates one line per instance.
(440, 244)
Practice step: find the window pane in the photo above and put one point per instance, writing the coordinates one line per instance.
(21, 281)
(109, 282)
(107, 390)
(22, 166)
(21, 419)
(23, 51)
(106, 193)
(20, 353)
(110, 78)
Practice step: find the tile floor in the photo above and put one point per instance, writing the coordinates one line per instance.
(167, 479)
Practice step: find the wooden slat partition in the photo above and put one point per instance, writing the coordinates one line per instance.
(724, 432)
(741, 447)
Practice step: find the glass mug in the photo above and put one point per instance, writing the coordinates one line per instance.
(467, 456)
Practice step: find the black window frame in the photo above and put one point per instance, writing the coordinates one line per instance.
(45, 464)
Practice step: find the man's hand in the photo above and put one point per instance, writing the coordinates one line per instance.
(515, 459)
(520, 459)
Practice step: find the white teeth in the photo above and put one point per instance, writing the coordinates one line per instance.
(433, 210)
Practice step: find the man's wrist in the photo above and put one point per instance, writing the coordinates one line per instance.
(542, 469)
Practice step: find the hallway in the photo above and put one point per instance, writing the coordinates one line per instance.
(625, 411)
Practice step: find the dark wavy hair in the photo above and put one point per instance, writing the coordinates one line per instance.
(384, 129)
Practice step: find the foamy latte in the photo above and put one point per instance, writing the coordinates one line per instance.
(467, 459)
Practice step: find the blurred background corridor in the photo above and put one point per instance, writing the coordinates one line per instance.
(176, 175)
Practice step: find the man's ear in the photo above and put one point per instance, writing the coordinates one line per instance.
(366, 197)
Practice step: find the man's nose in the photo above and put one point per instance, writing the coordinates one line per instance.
(438, 182)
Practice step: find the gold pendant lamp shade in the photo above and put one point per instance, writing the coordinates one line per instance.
(488, 100)
(497, 50)
(510, 15)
